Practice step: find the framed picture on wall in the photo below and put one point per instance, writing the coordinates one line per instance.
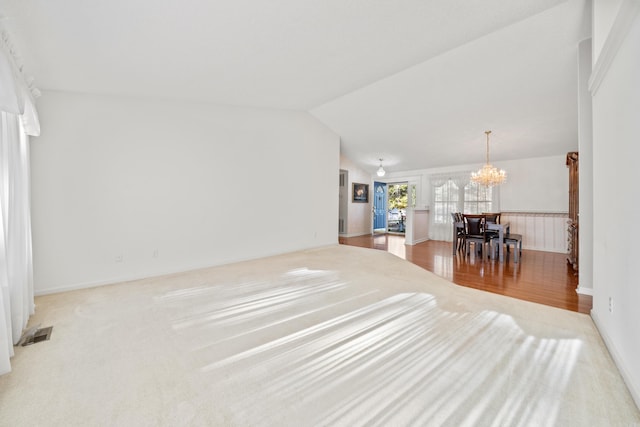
(360, 193)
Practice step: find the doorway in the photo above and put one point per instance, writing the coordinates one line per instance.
(343, 201)
(397, 202)
(379, 207)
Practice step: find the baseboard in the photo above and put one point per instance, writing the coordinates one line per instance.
(95, 284)
(155, 274)
(552, 250)
(415, 242)
(635, 393)
(124, 278)
(584, 291)
(367, 233)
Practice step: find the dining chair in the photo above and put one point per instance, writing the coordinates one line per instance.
(516, 241)
(509, 239)
(459, 219)
(475, 232)
(493, 217)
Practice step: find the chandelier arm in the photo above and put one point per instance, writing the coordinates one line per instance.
(488, 132)
(487, 156)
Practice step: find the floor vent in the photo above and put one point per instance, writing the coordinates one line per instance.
(35, 335)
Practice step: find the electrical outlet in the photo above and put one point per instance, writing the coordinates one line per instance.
(155, 253)
(119, 258)
(610, 305)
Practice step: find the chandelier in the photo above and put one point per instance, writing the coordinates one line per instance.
(488, 175)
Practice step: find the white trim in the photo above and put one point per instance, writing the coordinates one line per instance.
(133, 277)
(533, 213)
(365, 233)
(584, 291)
(635, 393)
(415, 242)
(126, 278)
(621, 26)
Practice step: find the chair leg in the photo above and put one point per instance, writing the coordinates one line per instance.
(517, 249)
(475, 248)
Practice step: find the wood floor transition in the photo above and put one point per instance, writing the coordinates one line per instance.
(541, 277)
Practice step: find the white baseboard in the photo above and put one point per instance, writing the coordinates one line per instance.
(635, 393)
(415, 242)
(150, 275)
(584, 291)
(119, 279)
(367, 233)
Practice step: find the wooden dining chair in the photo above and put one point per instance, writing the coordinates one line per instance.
(475, 233)
(459, 219)
(509, 239)
(516, 241)
(493, 217)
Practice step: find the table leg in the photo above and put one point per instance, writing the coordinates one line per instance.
(501, 244)
(455, 237)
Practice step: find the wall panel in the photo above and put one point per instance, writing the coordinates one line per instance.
(541, 231)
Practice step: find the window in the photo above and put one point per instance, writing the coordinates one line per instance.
(445, 201)
(414, 196)
(477, 199)
(457, 194)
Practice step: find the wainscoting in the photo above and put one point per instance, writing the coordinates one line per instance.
(417, 230)
(541, 231)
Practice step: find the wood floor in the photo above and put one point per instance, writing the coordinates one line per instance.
(542, 277)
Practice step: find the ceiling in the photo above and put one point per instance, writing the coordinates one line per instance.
(414, 82)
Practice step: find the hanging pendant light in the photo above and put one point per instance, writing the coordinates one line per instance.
(488, 175)
(381, 170)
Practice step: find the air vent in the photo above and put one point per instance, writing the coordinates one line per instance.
(35, 335)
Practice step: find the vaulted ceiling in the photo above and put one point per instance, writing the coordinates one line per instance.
(414, 82)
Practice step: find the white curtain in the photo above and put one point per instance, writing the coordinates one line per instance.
(439, 230)
(457, 194)
(18, 119)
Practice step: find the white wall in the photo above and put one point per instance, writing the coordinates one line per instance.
(616, 132)
(536, 185)
(202, 185)
(585, 168)
(533, 185)
(536, 192)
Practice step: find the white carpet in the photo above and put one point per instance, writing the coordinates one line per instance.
(333, 336)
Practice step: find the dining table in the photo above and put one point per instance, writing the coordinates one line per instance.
(502, 229)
